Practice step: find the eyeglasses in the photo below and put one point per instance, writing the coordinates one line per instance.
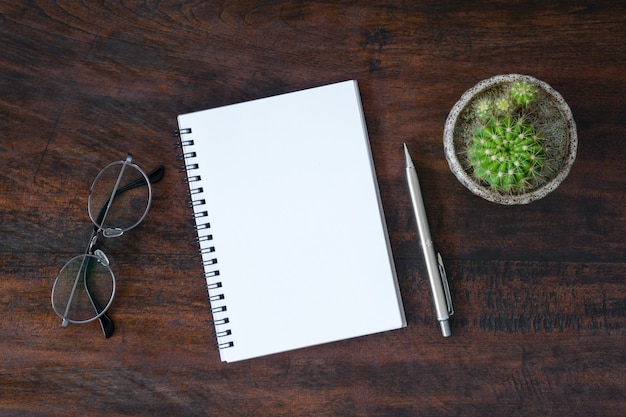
(119, 199)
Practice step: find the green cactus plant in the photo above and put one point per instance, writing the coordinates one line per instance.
(507, 150)
(523, 93)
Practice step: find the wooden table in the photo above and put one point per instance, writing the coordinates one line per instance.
(539, 289)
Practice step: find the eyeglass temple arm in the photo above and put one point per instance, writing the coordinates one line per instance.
(105, 321)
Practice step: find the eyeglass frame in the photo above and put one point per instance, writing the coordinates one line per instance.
(154, 176)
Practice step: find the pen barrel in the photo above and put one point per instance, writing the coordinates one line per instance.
(432, 267)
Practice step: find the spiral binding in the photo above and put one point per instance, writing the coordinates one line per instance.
(219, 309)
(197, 203)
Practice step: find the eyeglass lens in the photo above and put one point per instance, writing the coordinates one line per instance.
(131, 193)
(84, 289)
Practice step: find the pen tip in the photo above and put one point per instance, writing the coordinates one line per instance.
(445, 328)
(407, 157)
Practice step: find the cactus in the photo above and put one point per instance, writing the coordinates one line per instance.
(502, 105)
(523, 93)
(506, 151)
(483, 109)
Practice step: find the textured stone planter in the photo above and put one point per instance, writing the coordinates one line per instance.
(554, 119)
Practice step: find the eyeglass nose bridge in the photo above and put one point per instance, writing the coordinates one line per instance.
(110, 232)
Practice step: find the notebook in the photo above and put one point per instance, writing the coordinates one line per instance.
(290, 222)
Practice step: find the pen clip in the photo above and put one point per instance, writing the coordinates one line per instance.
(444, 282)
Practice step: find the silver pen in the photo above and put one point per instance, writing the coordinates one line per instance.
(434, 264)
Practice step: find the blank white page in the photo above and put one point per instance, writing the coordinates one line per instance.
(296, 221)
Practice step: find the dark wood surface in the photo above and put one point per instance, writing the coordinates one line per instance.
(539, 290)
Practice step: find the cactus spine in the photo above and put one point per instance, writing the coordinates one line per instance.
(507, 150)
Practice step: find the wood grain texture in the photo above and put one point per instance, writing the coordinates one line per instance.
(539, 290)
